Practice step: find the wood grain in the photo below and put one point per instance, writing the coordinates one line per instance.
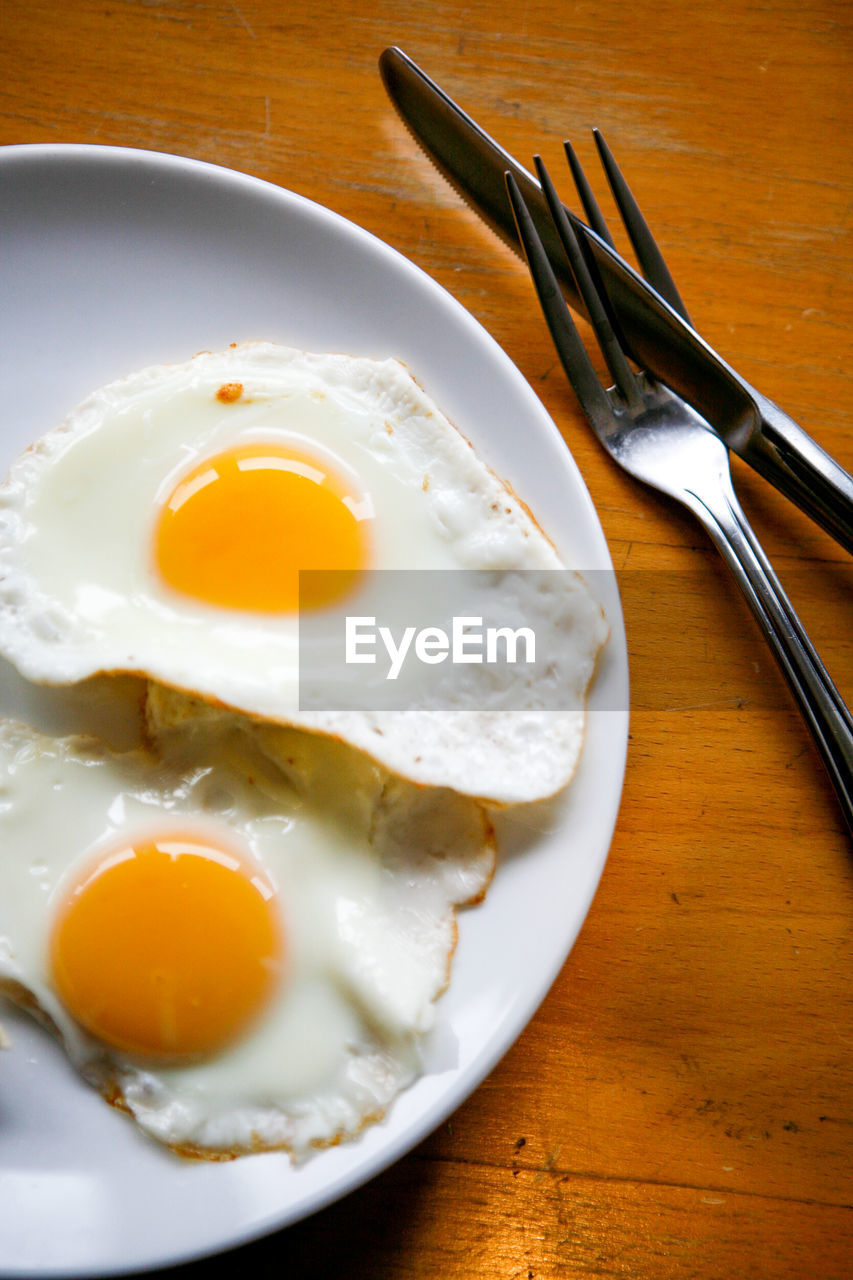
(682, 1104)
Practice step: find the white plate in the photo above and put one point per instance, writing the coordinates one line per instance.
(113, 259)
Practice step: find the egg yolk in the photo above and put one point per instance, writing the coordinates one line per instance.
(168, 948)
(239, 527)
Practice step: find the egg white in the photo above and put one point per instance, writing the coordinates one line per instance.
(369, 870)
(79, 594)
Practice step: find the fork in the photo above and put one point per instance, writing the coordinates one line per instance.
(779, 449)
(648, 254)
(658, 438)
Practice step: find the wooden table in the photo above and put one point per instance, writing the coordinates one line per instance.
(682, 1103)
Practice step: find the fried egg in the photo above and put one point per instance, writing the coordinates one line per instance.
(161, 530)
(243, 955)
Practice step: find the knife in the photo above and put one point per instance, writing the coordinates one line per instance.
(658, 338)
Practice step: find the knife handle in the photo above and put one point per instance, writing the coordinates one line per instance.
(792, 461)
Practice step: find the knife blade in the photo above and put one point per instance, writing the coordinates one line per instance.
(658, 338)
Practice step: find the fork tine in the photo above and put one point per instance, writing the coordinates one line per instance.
(570, 348)
(594, 216)
(648, 254)
(591, 295)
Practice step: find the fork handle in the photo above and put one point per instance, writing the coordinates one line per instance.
(822, 706)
